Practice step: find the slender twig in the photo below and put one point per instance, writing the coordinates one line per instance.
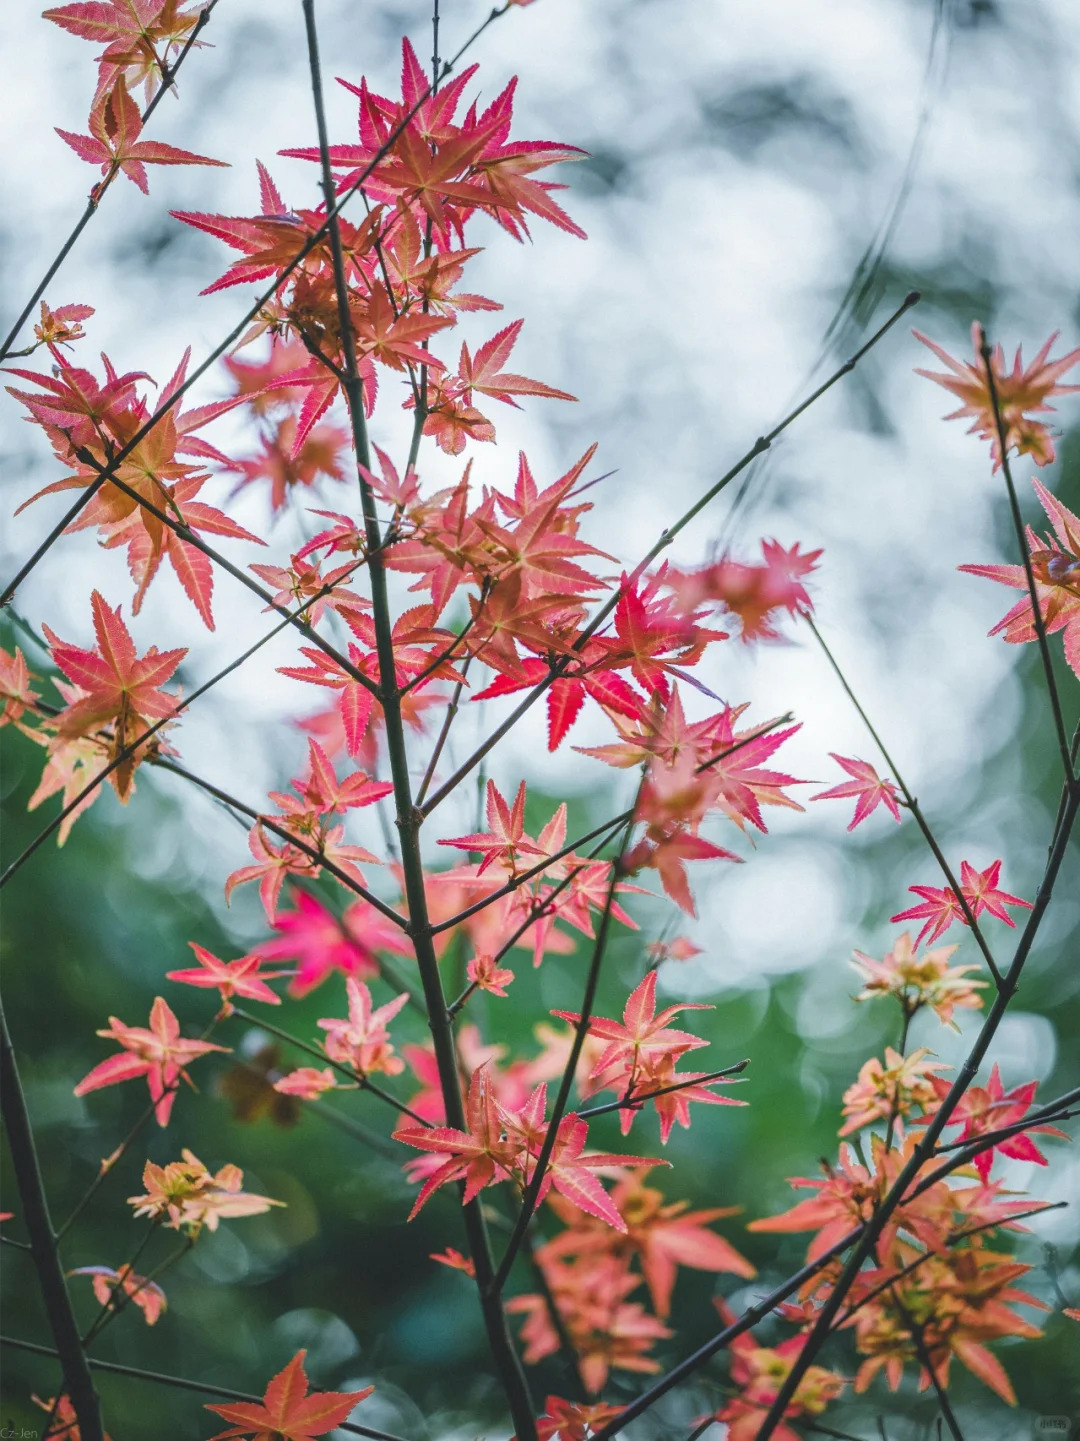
(760, 445)
(181, 1383)
(444, 733)
(268, 823)
(633, 1101)
(358, 1078)
(1038, 620)
(918, 1340)
(168, 76)
(531, 1197)
(914, 807)
(78, 1382)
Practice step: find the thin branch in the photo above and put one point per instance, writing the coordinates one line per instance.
(633, 1101)
(78, 1382)
(168, 76)
(1025, 555)
(531, 1197)
(444, 733)
(268, 823)
(181, 1383)
(358, 1078)
(919, 1341)
(913, 806)
(760, 445)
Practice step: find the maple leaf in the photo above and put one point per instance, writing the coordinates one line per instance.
(288, 1412)
(115, 685)
(481, 1156)
(1055, 564)
(16, 693)
(63, 1423)
(569, 1170)
(185, 1195)
(288, 465)
(506, 840)
(488, 976)
(754, 593)
(940, 906)
(992, 1108)
(114, 144)
(322, 944)
(455, 1260)
(571, 1420)
(1018, 392)
(308, 1082)
(643, 1033)
(241, 977)
(63, 325)
(193, 567)
(452, 418)
(160, 1054)
(916, 981)
(147, 1295)
(361, 1040)
(662, 1236)
(139, 35)
(867, 787)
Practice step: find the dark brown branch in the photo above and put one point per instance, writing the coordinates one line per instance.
(633, 1101)
(181, 1383)
(78, 1382)
(504, 1355)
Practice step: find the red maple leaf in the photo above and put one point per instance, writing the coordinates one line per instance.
(481, 1156)
(868, 788)
(114, 684)
(287, 1411)
(940, 906)
(114, 144)
(160, 1054)
(506, 840)
(322, 944)
(241, 977)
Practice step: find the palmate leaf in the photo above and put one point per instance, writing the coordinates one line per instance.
(114, 144)
(288, 1412)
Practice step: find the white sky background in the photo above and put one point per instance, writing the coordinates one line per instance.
(686, 325)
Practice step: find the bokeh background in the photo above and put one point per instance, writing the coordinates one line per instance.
(765, 184)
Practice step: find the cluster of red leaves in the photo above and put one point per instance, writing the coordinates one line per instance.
(112, 696)
(308, 817)
(141, 38)
(937, 1289)
(88, 421)
(590, 1269)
